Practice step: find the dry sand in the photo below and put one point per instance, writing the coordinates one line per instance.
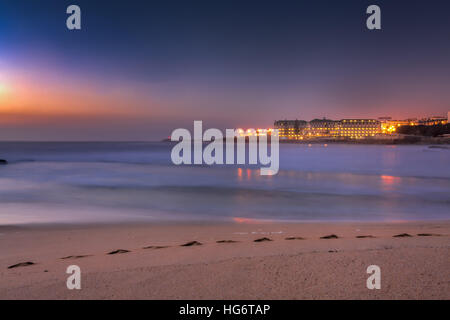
(416, 267)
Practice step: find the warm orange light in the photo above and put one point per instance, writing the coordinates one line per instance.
(239, 171)
(43, 99)
(389, 180)
(245, 220)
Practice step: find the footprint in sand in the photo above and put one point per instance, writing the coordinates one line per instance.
(155, 247)
(118, 251)
(191, 243)
(331, 236)
(294, 238)
(22, 264)
(226, 241)
(74, 257)
(402, 235)
(262, 239)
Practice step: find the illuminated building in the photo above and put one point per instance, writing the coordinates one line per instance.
(432, 121)
(291, 129)
(317, 128)
(253, 132)
(348, 128)
(358, 128)
(389, 126)
(323, 128)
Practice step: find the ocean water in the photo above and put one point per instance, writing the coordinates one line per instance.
(115, 182)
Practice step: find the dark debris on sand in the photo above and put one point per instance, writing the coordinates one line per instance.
(331, 236)
(22, 264)
(191, 243)
(226, 241)
(262, 239)
(364, 237)
(118, 251)
(428, 235)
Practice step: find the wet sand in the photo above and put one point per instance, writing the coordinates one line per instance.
(223, 261)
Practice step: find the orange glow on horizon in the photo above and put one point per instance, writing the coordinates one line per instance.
(26, 99)
(245, 220)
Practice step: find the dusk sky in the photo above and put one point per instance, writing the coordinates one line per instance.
(139, 69)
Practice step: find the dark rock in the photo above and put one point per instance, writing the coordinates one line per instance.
(363, 237)
(294, 238)
(226, 241)
(3, 162)
(428, 235)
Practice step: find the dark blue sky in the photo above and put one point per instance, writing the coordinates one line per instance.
(229, 63)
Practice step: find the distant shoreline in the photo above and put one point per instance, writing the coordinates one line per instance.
(407, 140)
(425, 141)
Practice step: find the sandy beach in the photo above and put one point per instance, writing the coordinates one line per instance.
(223, 261)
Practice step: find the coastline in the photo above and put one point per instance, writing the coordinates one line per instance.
(412, 140)
(406, 140)
(155, 265)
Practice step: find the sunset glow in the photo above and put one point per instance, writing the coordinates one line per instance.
(3, 88)
(140, 86)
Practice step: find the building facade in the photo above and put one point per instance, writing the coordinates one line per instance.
(358, 128)
(326, 128)
(389, 125)
(322, 128)
(432, 121)
(291, 129)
